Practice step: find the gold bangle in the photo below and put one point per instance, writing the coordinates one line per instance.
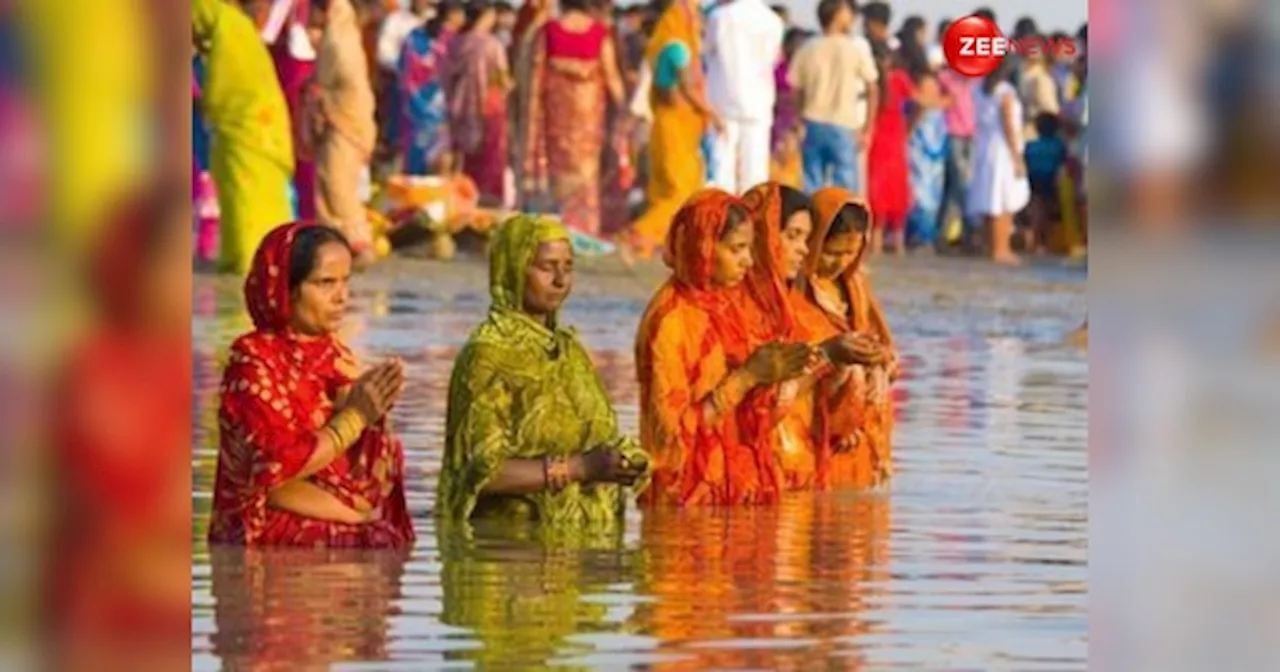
(718, 402)
(347, 425)
(557, 473)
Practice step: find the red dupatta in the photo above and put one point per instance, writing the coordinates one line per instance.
(766, 284)
(279, 388)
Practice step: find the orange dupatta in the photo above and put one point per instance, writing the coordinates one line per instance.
(692, 337)
(854, 405)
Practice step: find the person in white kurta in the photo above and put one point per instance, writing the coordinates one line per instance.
(999, 187)
(743, 45)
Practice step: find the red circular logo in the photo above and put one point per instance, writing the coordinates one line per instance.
(974, 46)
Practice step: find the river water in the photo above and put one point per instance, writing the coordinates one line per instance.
(974, 558)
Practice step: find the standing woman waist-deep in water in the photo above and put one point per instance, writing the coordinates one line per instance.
(854, 428)
(784, 222)
(708, 376)
(306, 456)
(530, 433)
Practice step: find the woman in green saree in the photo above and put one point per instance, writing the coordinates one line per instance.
(530, 432)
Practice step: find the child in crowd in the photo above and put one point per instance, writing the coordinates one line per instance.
(1045, 158)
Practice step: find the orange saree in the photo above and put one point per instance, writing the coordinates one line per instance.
(770, 304)
(853, 411)
(691, 342)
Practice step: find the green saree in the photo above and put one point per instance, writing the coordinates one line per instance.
(521, 389)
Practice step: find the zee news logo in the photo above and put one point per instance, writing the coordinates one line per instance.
(974, 46)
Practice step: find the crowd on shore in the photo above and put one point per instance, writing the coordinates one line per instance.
(612, 117)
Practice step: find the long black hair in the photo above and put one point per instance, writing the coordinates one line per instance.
(734, 218)
(885, 62)
(909, 33)
(850, 218)
(793, 201)
(436, 24)
(911, 51)
(475, 10)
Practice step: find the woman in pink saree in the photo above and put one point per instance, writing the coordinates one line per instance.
(574, 67)
(294, 53)
(476, 85)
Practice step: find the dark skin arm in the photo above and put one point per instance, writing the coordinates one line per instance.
(602, 464)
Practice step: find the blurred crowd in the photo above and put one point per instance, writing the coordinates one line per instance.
(351, 110)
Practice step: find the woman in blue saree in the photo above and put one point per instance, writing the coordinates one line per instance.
(927, 162)
(424, 127)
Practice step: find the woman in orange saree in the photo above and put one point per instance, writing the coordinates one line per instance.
(680, 115)
(708, 377)
(783, 221)
(854, 412)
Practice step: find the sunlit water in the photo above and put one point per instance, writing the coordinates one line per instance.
(973, 560)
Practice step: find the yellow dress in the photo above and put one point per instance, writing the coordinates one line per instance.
(251, 152)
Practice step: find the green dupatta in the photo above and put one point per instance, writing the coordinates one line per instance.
(522, 389)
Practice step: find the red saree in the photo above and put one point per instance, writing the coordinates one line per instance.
(277, 390)
(691, 337)
(567, 105)
(771, 305)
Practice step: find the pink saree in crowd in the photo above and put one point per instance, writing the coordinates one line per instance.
(476, 90)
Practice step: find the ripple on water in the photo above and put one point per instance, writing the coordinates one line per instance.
(974, 560)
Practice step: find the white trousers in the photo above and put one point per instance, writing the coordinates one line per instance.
(741, 158)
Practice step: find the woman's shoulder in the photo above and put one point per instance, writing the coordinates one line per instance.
(255, 347)
(671, 315)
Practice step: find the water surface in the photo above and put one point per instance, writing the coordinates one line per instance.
(974, 559)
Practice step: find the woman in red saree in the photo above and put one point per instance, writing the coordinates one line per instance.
(306, 455)
(574, 67)
(477, 81)
(853, 421)
(708, 377)
(889, 179)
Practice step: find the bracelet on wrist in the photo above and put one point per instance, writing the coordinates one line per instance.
(556, 473)
(346, 426)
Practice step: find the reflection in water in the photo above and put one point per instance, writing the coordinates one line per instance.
(981, 565)
(521, 590)
(302, 608)
(778, 588)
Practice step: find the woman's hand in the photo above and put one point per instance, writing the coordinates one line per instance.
(853, 348)
(715, 122)
(1019, 166)
(846, 444)
(373, 393)
(776, 362)
(607, 464)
